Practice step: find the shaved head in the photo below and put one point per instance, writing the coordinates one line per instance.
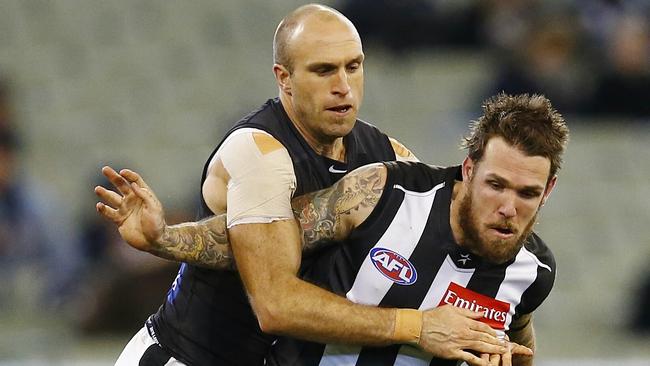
(291, 26)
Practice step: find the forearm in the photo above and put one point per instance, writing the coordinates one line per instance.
(525, 337)
(268, 258)
(302, 310)
(203, 243)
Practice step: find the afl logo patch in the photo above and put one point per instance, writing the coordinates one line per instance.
(393, 266)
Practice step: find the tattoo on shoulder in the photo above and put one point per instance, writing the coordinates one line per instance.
(320, 213)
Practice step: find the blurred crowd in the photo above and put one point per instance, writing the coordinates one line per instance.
(76, 269)
(590, 57)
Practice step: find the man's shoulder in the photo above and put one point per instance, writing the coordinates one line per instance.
(418, 176)
(363, 125)
(263, 115)
(537, 246)
(268, 118)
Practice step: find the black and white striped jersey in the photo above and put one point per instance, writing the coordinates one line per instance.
(404, 256)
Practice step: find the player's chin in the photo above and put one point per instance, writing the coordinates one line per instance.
(501, 251)
(340, 127)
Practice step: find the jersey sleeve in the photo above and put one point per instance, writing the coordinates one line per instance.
(262, 179)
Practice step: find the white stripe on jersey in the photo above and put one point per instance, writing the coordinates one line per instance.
(447, 273)
(519, 276)
(370, 286)
(340, 354)
(539, 263)
(402, 236)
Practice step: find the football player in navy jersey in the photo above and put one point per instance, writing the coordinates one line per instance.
(490, 202)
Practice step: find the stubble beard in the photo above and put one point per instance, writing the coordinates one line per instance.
(496, 251)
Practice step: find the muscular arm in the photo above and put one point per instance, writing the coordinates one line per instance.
(140, 218)
(331, 213)
(268, 258)
(323, 215)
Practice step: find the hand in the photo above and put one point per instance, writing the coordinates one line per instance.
(506, 358)
(136, 210)
(450, 332)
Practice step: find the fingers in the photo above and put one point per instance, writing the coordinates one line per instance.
(484, 347)
(482, 327)
(116, 180)
(468, 313)
(471, 359)
(143, 194)
(108, 212)
(133, 177)
(494, 360)
(506, 359)
(109, 197)
(518, 349)
(474, 324)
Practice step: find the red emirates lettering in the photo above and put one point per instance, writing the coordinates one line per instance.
(494, 311)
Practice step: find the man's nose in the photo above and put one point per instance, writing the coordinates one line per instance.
(508, 208)
(341, 83)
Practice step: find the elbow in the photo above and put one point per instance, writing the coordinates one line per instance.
(272, 317)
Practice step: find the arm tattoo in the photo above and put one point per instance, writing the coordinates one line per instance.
(203, 243)
(320, 213)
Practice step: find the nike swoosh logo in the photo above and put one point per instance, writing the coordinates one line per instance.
(336, 171)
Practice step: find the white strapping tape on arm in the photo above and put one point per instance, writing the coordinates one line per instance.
(402, 153)
(262, 180)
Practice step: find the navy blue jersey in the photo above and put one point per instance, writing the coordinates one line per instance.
(404, 256)
(207, 319)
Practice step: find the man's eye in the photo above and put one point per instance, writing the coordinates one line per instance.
(527, 194)
(494, 185)
(324, 70)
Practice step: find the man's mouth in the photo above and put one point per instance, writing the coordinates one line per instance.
(504, 231)
(343, 108)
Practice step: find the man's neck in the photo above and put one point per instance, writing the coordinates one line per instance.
(330, 148)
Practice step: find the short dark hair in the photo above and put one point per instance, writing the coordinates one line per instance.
(528, 122)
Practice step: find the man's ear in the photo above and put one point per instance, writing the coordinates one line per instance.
(468, 169)
(549, 188)
(282, 78)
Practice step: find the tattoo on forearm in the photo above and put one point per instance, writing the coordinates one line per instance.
(203, 243)
(320, 213)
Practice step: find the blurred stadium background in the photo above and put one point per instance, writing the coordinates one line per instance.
(153, 85)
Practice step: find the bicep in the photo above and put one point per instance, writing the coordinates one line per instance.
(332, 213)
(214, 186)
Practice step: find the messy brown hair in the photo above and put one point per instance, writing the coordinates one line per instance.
(528, 122)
